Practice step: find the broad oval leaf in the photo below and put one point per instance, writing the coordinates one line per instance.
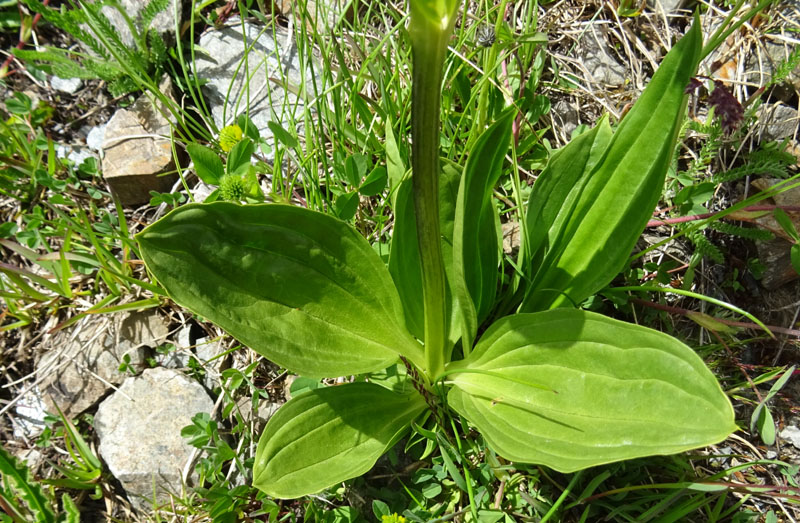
(300, 287)
(614, 197)
(571, 389)
(476, 248)
(328, 435)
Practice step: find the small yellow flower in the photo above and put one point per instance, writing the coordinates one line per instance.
(229, 136)
(394, 518)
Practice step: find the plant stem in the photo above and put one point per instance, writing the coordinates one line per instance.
(694, 217)
(429, 45)
(741, 324)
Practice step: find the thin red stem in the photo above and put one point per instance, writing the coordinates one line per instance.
(703, 216)
(742, 324)
(22, 42)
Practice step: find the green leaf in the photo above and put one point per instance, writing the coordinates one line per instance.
(380, 508)
(618, 391)
(794, 257)
(355, 167)
(766, 426)
(71, 512)
(19, 104)
(248, 127)
(613, 199)
(17, 478)
(328, 435)
(786, 223)
(346, 205)
(375, 182)
(395, 167)
(555, 194)
(300, 287)
(476, 249)
(207, 163)
(282, 135)
(762, 418)
(240, 156)
(404, 259)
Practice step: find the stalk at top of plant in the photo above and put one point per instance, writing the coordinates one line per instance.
(430, 29)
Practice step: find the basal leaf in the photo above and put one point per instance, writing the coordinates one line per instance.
(476, 251)
(328, 435)
(300, 287)
(590, 241)
(557, 190)
(207, 164)
(404, 260)
(571, 389)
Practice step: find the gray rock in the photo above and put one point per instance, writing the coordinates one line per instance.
(209, 355)
(66, 85)
(30, 413)
(669, 6)
(164, 22)
(183, 338)
(139, 428)
(764, 58)
(95, 137)
(565, 118)
(32, 457)
(84, 362)
(175, 359)
(780, 121)
(511, 238)
(321, 16)
(263, 412)
(791, 434)
(272, 57)
(598, 59)
(138, 151)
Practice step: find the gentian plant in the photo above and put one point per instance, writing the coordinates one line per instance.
(545, 382)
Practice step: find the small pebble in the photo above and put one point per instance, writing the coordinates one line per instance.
(791, 434)
(66, 85)
(96, 137)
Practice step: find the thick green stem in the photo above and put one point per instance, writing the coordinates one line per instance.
(428, 50)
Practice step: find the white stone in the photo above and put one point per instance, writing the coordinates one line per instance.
(66, 85)
(272, 56)
(791, 434)
(30, 409)
(139, 428)
(96, 137)
(76, 155)
(208, 354)
(164, 22)
(669, 6)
